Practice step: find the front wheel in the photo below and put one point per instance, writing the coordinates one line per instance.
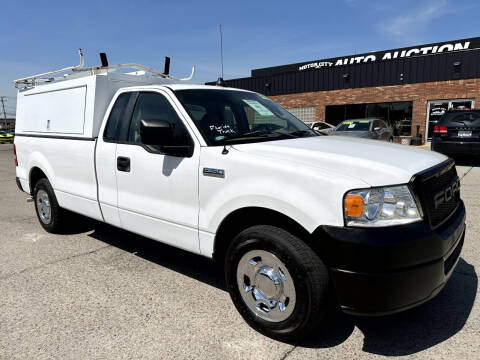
(277, 283)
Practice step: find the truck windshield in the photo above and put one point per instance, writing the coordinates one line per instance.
(229, 117)
(359, 125)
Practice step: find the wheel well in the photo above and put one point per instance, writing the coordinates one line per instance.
(244, 218)
(35, 175)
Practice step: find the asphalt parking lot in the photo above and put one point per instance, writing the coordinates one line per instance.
(103, 293)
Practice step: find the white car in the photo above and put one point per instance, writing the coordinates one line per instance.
(322, 128)
(295, 218)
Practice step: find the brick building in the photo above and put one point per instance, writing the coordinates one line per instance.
(406, 87)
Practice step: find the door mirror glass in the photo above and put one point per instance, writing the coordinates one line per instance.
(377, 128)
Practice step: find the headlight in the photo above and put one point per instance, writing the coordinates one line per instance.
(384, 206)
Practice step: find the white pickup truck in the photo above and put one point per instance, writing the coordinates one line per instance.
(297, 220)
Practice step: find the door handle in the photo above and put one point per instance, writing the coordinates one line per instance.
(123, 164)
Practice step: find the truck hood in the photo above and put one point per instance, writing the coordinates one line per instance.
(374, 162)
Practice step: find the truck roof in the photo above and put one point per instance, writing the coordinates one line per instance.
(196, 86)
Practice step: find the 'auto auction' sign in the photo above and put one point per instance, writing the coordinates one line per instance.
(378, 56)
(389, 55)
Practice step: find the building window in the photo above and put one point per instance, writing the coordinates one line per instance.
(378, 110)
(400, 118)
(398, 115)
(335, 114)
(436, 108)
(306, 114)
(356, 111)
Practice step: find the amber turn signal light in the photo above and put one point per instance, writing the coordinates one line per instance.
(353, 205)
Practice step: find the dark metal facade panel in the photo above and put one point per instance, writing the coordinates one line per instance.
(473, 43)
(418, 69)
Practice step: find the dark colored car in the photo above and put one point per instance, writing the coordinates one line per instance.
(457, 133)
(365, 128)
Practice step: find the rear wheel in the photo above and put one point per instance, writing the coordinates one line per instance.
(277, 283)
(49, 213)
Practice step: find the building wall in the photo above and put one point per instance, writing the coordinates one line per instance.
(418, 93)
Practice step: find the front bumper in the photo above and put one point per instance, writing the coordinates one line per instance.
(379, 271)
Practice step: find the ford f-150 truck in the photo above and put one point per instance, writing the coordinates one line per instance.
(295, 219)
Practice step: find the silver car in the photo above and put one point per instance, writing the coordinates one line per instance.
(365, 128)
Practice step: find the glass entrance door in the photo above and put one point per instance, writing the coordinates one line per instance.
(436, 108)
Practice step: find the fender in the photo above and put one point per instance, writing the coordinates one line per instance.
(37, 159)
(307, 219)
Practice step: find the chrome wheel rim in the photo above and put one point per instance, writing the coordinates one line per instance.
(266, 285)
(43, 207)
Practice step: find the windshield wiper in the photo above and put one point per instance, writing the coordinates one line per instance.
(299, 133)
(229, 137)
(254, 134)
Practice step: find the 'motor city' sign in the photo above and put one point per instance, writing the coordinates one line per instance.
(389, 55)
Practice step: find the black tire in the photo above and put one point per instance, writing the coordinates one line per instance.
(309, 274)
(390, 140)
(56, 221)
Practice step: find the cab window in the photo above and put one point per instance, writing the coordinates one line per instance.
(154, 106)
(117, 116)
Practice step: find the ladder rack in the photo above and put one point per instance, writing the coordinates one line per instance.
(34, 80)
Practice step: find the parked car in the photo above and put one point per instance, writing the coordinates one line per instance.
(6, 137)
(322, 128)
(457, 133)
(365, 128)
(231, 175)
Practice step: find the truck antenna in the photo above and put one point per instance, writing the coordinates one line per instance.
(221, 48)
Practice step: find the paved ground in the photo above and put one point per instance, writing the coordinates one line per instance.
(105, 293)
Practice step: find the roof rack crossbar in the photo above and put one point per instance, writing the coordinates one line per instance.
(137, 67)
(44, 77)
(32, 79)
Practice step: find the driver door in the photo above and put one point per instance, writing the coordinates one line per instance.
(157, 193)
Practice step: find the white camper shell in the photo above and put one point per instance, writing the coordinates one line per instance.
(42, 109)
(82, 93)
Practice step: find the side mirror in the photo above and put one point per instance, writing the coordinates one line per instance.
(156, 132)
(377, 128)
(160, 133)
